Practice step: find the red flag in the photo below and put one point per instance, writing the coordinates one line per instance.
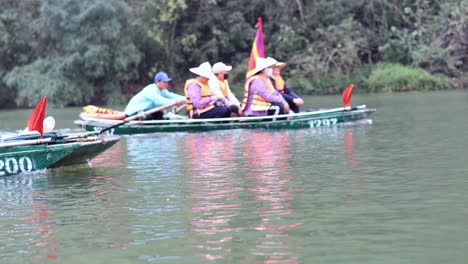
(257, 48)
(35, 121)
(347, 95)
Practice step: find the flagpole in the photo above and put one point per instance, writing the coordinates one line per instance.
(258, 49)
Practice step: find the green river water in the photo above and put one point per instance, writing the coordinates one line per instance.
(395, 191)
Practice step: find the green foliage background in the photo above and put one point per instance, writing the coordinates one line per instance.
(101, 52)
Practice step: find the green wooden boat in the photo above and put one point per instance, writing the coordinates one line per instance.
(19, 155)
(312, 119)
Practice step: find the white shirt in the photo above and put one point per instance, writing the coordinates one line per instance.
(216, 90)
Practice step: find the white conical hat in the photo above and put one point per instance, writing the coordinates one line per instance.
(221, 67)
(204, 70)
(281, 65)
(263, 63)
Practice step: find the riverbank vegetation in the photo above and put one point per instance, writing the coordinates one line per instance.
(101, 52)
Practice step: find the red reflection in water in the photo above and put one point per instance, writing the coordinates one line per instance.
(214, 193)
(348, 147)
(268, 163)
(352, 163)
(42, 219)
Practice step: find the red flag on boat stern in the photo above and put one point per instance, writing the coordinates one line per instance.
(257, 48)
(347, 95)
(35, 121)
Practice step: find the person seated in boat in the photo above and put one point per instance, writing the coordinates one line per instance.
(289, 95)
(260, 96)
(152, 96)
(201, 101)
(220, 86)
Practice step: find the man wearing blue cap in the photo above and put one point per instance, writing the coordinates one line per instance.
(152, 96)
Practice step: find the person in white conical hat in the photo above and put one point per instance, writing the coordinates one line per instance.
(201, 101)
(260, 96)
(289, 95)
(220, 86)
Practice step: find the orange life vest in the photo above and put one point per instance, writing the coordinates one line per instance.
(258, 102)
(92, 109)
(279, 82)
(205, 92)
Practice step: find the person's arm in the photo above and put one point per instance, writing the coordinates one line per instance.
(261, 88)
(157, 98)
(290, 92)
(288, 97)
(193, 91)
(173, 96)
(291, 96)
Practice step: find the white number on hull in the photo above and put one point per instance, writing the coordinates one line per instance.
(323, 122)
(13, 166)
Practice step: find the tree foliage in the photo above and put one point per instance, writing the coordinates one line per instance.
(98, 51)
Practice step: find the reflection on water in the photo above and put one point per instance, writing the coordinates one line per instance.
(392, 192)
(42, 219)
(348, 147)
(41, 210)
(214, 193)
(218, 196)
(268, 165)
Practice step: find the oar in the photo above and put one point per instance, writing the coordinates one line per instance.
(133, 117)
(25, 142)
(178, 109)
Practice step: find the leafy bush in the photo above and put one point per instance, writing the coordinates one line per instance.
(331, 83)
(46, 78)
(399, 78)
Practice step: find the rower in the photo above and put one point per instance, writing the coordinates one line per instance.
(152, 96)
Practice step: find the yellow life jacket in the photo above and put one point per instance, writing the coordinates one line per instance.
(258, 102)
(279, 82)
(204, 92)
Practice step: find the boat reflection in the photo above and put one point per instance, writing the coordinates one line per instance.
(218, 198)
(39, 200)
(25, 204)
(268, 164)
(42, 219)
(213, 192)
(348, 147)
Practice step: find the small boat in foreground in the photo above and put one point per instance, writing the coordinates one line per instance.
(28, 153)
(38, 147)
(176, 123)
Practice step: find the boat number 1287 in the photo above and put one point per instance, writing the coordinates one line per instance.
(323, 122)
(13, 166)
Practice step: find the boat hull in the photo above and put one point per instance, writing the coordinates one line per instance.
(24, 159)
(86, 152)
(28, 158)
(314, 119)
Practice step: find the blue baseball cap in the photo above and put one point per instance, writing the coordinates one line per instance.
(161, 76)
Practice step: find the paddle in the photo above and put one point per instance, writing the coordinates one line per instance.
(180, 108)
(25, 142)
(133, 117)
